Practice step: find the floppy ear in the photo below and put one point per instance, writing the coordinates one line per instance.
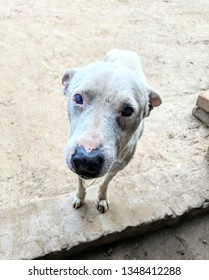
(154, 99)
(67, 76)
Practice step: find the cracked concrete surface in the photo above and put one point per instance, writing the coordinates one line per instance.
(52, 228)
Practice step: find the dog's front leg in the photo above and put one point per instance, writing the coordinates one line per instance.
(78, 200)
(102, 204)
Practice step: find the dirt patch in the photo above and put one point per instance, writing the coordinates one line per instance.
(38, 41)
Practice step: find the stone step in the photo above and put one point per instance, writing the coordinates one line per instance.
(52, 228)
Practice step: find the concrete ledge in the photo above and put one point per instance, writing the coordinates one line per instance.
(127, 232)
(53, 229)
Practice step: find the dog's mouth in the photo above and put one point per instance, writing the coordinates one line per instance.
(91, 173)
(86, 177)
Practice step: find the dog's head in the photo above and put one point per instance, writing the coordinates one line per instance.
(106, 104)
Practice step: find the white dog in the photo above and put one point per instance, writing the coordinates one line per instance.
(107, 103)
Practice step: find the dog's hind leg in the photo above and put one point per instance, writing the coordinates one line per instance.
(78, 200)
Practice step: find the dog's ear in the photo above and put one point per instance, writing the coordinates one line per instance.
(66, 78)
(154, 100)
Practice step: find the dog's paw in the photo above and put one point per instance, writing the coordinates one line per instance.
(77, 202)
(102, 206)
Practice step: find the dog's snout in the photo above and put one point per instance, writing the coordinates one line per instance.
(87, 165)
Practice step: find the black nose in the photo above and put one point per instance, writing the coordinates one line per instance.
(87, 165)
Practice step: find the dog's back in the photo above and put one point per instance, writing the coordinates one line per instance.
(128, 59)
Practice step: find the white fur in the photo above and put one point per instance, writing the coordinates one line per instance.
(107, 86)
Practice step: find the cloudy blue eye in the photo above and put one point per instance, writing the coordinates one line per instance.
(78, 99)
(127, 112)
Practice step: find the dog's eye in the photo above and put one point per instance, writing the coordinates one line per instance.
(78, 99)
(127, 112)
